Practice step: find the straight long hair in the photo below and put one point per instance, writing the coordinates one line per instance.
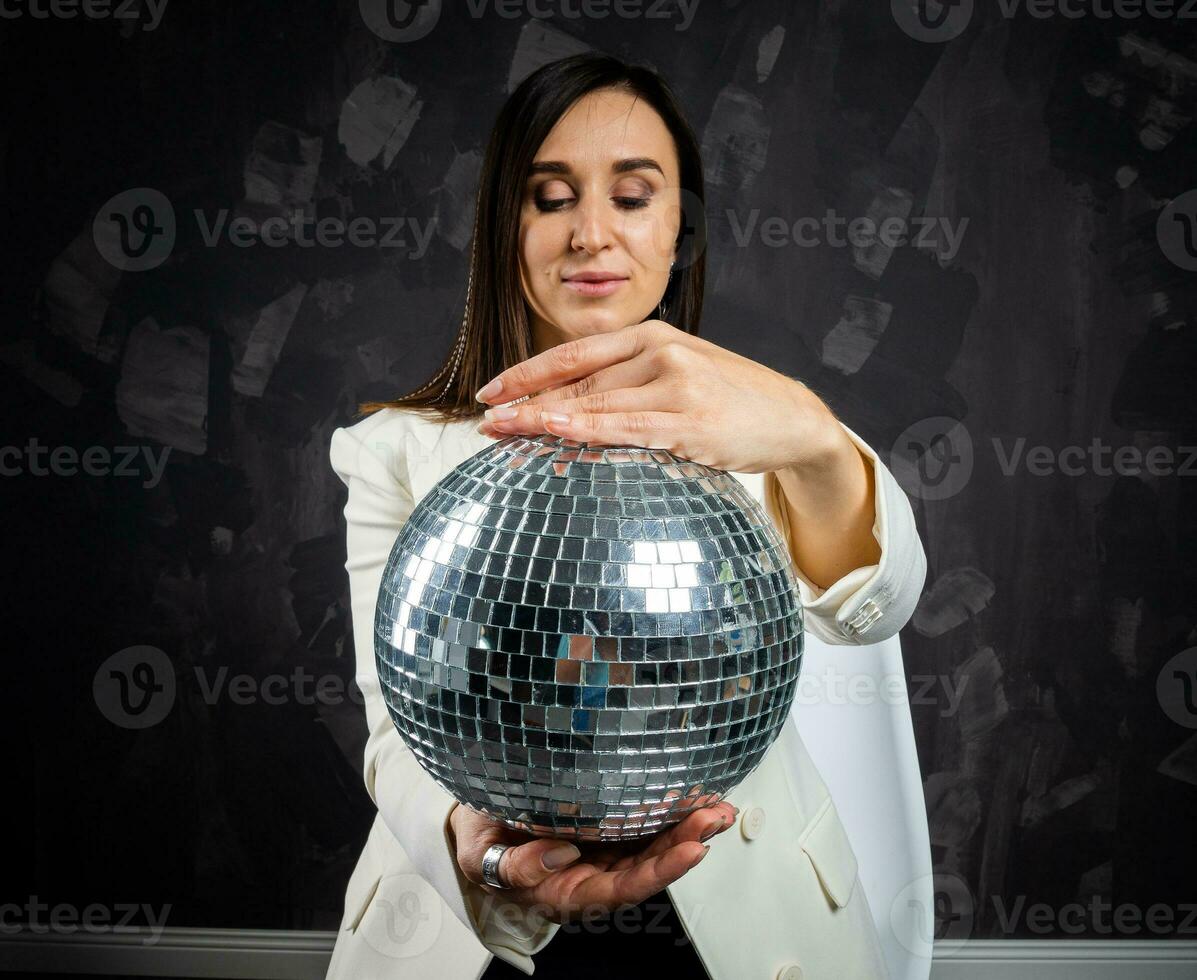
(495, 332)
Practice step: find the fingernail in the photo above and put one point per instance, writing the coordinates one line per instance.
(714, 830)
(555, 417)
(706, 849)
(559, 857)
(489, 390)
(501, 414)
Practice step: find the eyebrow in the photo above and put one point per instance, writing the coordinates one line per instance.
(618, 167)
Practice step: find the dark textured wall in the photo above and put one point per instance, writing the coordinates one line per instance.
(178, 724)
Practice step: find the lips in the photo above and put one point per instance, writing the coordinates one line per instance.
(595, 284)
(595, 277)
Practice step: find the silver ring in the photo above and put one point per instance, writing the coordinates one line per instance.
(490, 865)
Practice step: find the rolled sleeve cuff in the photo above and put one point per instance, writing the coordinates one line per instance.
(514, 934)
(872, 602)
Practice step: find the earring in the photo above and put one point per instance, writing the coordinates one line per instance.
(662, 308)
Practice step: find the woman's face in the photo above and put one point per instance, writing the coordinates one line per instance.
(602, 201)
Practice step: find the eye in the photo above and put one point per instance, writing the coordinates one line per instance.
(544, 203)
(550, 204)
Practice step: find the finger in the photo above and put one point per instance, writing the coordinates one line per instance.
(488, 428)
(634, 884)
(526, 417)
(565, 362)
(524, 399)
(698, 826)
(639, 370)
(527, 865)
(646, 429)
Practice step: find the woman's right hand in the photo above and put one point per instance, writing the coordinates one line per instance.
(561, 879)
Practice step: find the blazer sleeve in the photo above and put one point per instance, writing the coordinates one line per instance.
(871, 603)
(413, 806)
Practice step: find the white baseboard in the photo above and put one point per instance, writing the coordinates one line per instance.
(260, 954)
(1067, 959)
(236, 954)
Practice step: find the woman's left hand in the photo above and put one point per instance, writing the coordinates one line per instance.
(658, 387)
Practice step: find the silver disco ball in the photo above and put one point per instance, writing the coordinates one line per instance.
(588, 643)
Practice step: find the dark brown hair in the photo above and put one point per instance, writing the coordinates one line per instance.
(495, 332)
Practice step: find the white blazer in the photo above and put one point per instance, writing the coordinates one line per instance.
(787, 877)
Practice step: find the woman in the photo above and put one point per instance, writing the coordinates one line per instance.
(578, 241)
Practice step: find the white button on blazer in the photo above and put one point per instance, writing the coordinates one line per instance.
(784, 897)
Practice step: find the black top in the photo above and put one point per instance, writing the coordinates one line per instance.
(642, 942)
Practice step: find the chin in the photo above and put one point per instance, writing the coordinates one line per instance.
(583, 324)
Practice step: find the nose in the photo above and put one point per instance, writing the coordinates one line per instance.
(593, 225)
